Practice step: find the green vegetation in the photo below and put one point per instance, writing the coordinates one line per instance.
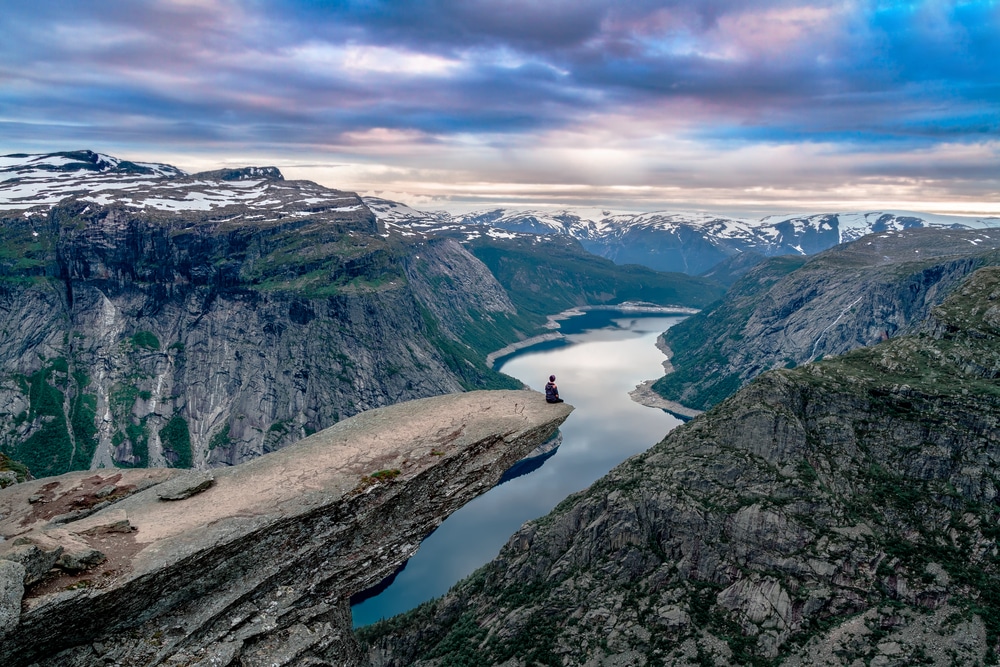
(464, 360)
(83, 421)
(18, 468)
(460, 647)
(26, 250)
(379, 476)
(551, 274)
(49, 450)
(138, 437)
(320, 260)
(221, 438)
(122, 399)
(145, 339)
(701, 376)
(175, 438)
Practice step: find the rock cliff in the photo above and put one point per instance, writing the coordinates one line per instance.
(204, 320)
(839, 513)
(792, 310)
(253, 564)
(156, 318)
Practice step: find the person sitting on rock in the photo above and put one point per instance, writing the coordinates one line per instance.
(552, 391)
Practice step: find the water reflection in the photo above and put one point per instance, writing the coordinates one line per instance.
(595, 370)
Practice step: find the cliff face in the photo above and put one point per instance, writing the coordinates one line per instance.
(839, 513)
(792, 310)
(154, 337)
(249, 565)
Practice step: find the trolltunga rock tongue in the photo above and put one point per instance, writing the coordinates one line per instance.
(256, 563)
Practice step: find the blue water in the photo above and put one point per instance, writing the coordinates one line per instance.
(595, 370)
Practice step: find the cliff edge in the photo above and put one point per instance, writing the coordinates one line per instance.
(252, 564)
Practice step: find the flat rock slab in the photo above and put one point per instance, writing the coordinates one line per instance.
(407, 437)
(141, 534)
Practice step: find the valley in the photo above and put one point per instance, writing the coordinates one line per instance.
(833, 504)
(156, 318)
(835, 513)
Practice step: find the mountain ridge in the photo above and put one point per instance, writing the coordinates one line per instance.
(792, 310)
(689, 242)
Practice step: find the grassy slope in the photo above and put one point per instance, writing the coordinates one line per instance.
(696, 342)
(550, 274)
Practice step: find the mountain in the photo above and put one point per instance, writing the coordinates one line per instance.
(37, 182)
(839, 513)
(686, 242)
(158, 318)
(163, 319)
(791, 310)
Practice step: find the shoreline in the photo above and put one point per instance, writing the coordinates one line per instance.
(492, 357)
(627, 307)
(553, 323)
(643, 393)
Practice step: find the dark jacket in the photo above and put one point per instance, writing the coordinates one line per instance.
(551, 392)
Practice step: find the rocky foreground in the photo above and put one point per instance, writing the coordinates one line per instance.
(249, 565)
(839, 513)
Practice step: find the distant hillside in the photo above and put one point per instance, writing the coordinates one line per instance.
(691, 243)
(791, 310)
(546, 275)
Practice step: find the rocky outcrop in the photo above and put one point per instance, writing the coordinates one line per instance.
(793, 310)
(255, 564)
(839, 513)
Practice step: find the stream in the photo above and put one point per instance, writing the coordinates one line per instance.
(604, 356)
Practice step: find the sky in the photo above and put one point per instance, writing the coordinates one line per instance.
(717, 105)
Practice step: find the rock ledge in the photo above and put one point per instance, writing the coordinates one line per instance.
(258, 567)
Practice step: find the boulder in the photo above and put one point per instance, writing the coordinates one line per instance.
(11, 591)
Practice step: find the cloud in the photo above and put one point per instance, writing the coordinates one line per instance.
(594, 93)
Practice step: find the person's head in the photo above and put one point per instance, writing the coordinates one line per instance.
(552, 378)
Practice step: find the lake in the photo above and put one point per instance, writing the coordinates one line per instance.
(604, 356)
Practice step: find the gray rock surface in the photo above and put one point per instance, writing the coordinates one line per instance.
(839, 513)
(792, 310)
(185, 486)
(258, 568)
(11, 591)
(36, 560)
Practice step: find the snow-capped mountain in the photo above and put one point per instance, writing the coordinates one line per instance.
(690, 242)
(36, 183)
